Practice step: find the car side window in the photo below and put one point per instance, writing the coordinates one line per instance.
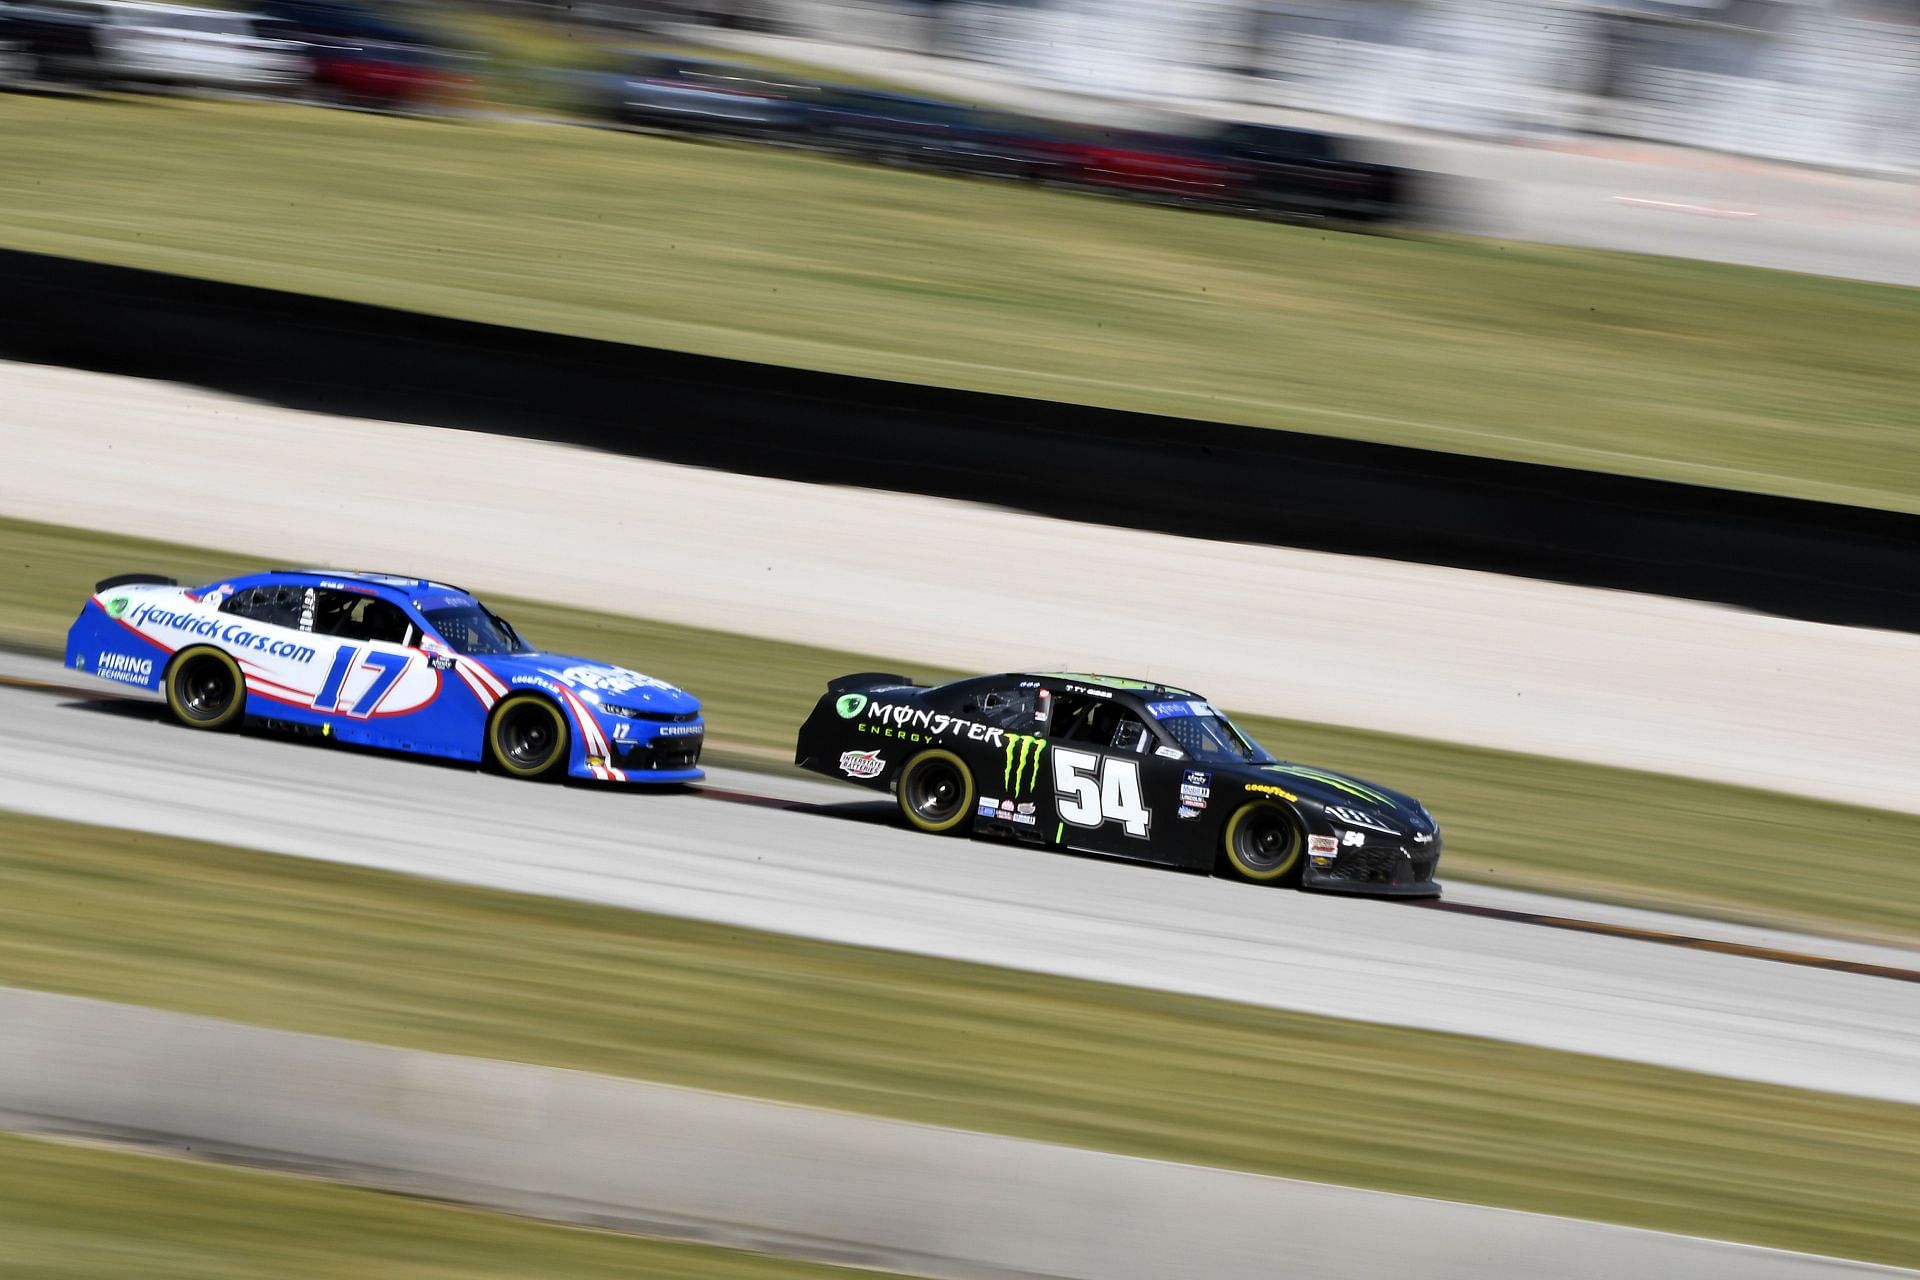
(1101, 723)
(1015, 709)
(1131, 735)
(353, 616)
(279, 605)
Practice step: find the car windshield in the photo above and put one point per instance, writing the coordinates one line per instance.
(1206, 735)
(472, 628)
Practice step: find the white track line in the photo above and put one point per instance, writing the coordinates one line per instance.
(1679, 206)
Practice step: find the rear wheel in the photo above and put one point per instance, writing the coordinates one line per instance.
(528, 738)
(205, 689)
(1263, 843)
(936, 792)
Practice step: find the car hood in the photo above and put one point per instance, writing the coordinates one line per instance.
(1339, 791)
(594, 682)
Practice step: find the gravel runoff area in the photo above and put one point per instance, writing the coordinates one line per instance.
(1607, 677)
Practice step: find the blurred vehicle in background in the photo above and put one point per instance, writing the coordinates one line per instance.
(350, 54)
(104, 43)
(340, 20)
(360, 58)
(175, 44)
(929, 133)
(377, 74)
(122, 44)
(1144, 164)
(1304, 171)
(701, 95)
(16, 58)
(1242, 168)
(49, 43)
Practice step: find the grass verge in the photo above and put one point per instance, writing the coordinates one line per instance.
(87, 1213)
(1514, 820)
(336, 950)
(1720, 375)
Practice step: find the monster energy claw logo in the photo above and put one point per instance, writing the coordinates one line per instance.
(1015, 779)
(851, 705)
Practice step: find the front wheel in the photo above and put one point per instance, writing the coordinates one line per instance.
(205, 689)
(936, 792)
(528, 738)
(1262, 843)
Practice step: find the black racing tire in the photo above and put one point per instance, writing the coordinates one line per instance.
(936, 793)
(1263, 843)
(205, 688)
(528, 737)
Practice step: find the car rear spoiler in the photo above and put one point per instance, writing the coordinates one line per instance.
(868, 680)
(133, 580)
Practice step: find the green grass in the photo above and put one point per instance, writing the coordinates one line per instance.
(1514, 820)
(336, 950)
(86, 1213)
(1727, 376)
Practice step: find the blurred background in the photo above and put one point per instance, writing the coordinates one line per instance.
(1826, 82)
(1512, 403)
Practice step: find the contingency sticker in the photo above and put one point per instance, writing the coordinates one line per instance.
(862, 764)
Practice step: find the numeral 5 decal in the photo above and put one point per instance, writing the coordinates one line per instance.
(386, 668)
(1094, 790)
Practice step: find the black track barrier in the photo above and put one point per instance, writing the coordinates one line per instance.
(1812, 560)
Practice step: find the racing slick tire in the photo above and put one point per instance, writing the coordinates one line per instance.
(1263, 843)
(527, 737)
(205, 689)
(936, 793)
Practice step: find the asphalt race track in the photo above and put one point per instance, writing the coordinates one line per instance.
(1642, 681)
(812, 859)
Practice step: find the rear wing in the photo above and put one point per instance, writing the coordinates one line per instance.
(869, 680)
(133, 580)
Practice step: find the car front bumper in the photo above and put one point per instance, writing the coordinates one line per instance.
(1381, 868)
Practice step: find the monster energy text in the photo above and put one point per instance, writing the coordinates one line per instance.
(917, 724)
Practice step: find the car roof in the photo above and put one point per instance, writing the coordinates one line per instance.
(395, 582)
(1119, 684)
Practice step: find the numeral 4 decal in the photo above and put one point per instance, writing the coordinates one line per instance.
(1093, 790)
(386, 668)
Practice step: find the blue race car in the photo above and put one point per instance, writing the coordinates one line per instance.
(383, 661)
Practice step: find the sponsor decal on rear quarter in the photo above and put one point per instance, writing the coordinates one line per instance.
(123, 667)
(862, 764)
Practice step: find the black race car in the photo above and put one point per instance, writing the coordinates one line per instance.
(1125, 768)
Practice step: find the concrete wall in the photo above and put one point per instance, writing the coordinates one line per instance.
(1813, 560)
(784, 1178)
